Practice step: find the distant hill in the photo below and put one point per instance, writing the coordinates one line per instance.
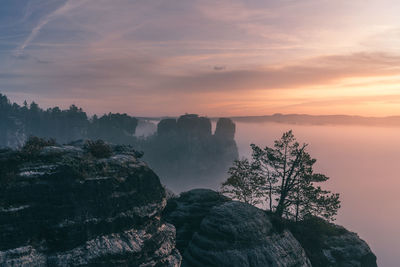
(304, 119)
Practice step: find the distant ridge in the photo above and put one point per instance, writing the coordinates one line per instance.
(304, 119)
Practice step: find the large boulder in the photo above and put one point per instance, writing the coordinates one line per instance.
(331, 245)
(61, 206)
(213, 230)
(348, 250)
(188, 210)
(238, 234)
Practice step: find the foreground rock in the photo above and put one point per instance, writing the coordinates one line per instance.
(237, 234)
(63, 207)
(215, 231)
(331, 245)
(188, 211)
(102, 206)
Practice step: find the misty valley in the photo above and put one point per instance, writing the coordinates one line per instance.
(201, 133)
(91, 175)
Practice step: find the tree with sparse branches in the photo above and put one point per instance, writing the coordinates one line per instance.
(244, 183)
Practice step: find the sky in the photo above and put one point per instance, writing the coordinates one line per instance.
(212, 57)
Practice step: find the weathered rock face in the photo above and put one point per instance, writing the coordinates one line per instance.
(330, 245)
(186, 154)
(212, 230)
(187, 212)
(348, 250)
(167, 126)
(63, 207)
(238, 234)
(225, 129)
(194, 126)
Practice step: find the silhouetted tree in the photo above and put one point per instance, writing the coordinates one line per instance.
(244, 183)
(17, 122)
(290, 182)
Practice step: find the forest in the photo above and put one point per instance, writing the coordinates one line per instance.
(182, 151)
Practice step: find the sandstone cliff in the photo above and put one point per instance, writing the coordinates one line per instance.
(187, 154)
(215, 231)
(63, 207)
(77, 206)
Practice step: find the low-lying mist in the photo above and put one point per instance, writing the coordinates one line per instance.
(362, 162)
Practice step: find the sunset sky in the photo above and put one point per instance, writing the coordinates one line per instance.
(216, 58)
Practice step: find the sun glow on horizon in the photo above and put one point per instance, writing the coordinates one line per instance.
(231, 58)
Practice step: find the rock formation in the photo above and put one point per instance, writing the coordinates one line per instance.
(215, 231)
(328, 244)
(194, 126)
(60, 206)
(348, 249)
(225, 129)
(167, 126)
(80, 206)
(186, 154)
(187, 212)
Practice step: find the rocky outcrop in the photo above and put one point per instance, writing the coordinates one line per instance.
(167, 127)
(348, 250)
(212, 230)
(187, 212)
(192, 125)
(61, 206)
(238, 234)
(186, 154)
(188, 126)
(66, 206)
(331, 245)
(225, 129)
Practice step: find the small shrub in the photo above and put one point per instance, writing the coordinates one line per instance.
(35, 144)
(98, 149)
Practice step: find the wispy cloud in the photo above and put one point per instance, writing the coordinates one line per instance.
(67, 6)
(315, 72)
(227, 56)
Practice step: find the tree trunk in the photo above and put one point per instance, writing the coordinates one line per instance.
(270, 197)
(281, 205)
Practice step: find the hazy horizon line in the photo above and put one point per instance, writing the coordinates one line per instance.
(91, 114)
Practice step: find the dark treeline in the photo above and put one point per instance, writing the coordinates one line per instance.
(183, 151)
(18, 122)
